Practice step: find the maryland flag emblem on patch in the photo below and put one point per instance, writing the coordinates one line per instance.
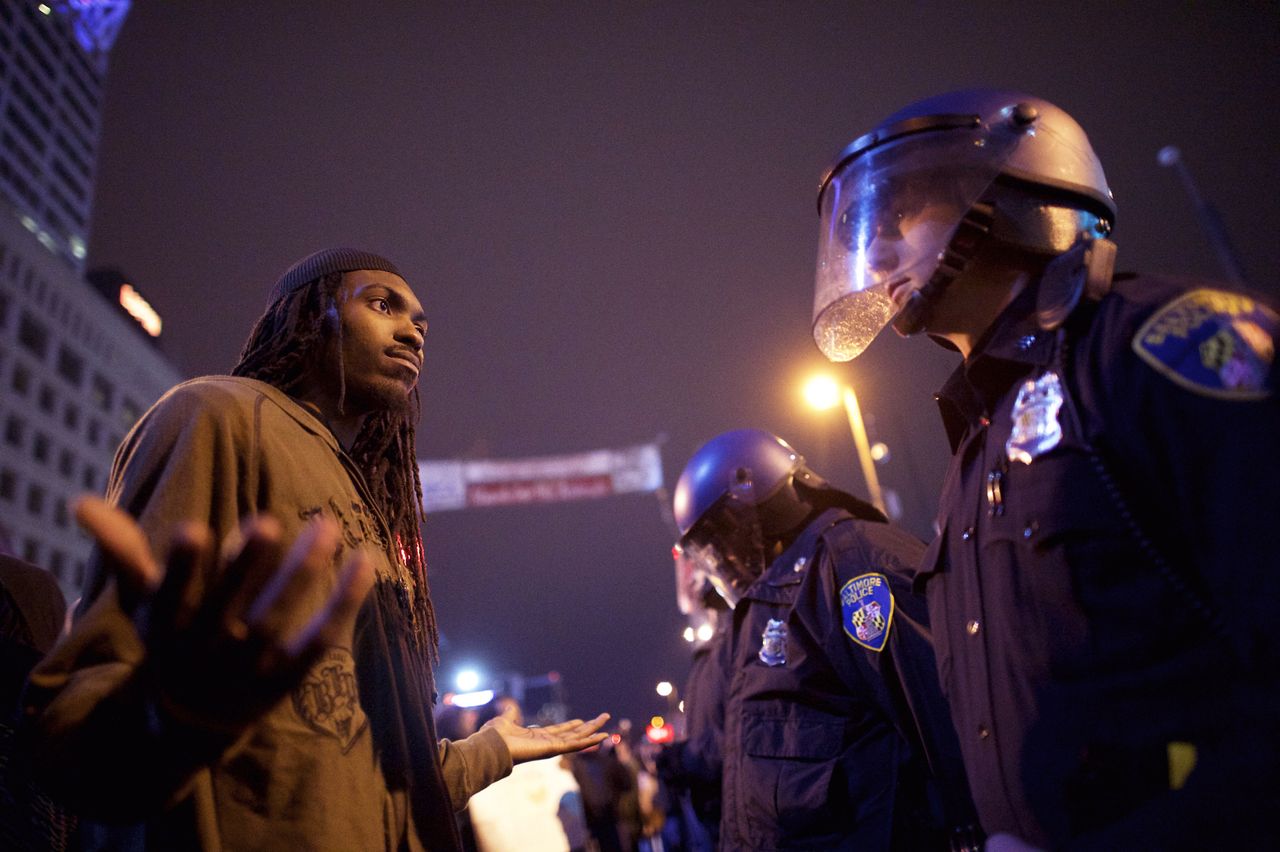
(1212, 342)
(867, 606)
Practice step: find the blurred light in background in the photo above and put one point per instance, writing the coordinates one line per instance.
(467, 680)
(822, 392)
(472, 699)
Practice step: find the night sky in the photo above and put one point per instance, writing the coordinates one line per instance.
(608, 211)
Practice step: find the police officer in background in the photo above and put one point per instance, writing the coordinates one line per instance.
(836, 735)
(691, 767)
(1103, 590)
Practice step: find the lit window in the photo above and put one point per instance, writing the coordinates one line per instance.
(131, 300)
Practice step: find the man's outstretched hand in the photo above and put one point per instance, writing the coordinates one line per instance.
(536, 743)
(226, 637)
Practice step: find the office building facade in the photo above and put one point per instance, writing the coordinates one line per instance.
(77, 366)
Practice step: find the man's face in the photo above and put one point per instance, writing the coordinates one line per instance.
(383, 326)
(907, 241)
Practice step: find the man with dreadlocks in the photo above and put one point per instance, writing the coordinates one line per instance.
(254, 699)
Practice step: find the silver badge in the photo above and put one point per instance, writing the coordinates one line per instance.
(773, 648)
(1036, 429)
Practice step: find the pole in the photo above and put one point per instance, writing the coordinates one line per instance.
(864, 448)
(1210, 219)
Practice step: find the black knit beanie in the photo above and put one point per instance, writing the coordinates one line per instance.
(325, 261)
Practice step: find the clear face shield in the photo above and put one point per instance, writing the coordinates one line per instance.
(727, 543)
(694, 590)
(886, 217)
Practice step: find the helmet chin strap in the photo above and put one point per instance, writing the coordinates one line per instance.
(963, 245)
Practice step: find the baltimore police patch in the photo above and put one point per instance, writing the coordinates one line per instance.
(867, 607)
(1212, 342)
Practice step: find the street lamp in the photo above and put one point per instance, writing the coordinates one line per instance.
(824, 392)
(668, 690)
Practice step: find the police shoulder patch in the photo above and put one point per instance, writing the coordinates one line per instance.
(866, 606)
(1212, 342)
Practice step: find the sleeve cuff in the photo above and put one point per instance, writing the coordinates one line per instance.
(470, 765)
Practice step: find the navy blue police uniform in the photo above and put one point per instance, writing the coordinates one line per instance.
(693, 766)
(1104, 587)
(834, 713)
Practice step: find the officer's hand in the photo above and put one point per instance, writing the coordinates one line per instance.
(227, 639)
(536, 743)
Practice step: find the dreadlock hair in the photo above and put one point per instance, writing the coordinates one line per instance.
(286, 343)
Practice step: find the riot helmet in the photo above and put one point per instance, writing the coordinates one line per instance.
(735, 500)
(906, 206)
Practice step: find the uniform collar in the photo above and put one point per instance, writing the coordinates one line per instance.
(1014, 346)
(789, 567)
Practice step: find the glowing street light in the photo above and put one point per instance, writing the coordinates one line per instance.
(823, 393)
(467, 680)
(665, 688)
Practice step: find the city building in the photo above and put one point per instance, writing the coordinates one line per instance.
(79, 361)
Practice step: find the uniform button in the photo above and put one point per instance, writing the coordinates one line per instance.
(973, 627)
(1030, 529)
(967, 534)
(800, 563)
(983, 732)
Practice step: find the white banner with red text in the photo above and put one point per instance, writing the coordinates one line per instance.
(544, 479)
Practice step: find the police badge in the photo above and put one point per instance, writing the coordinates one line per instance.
(867, 606)
(773, 645)
(1036, 429)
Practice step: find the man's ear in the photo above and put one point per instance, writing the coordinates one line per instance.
(332, 319)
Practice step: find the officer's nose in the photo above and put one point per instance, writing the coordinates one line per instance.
(882, 256)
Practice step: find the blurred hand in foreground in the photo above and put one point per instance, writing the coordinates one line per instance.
(222, 636)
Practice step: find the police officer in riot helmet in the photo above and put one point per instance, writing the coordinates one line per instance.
(1103, 616)
(691, 767)
(835, 732)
